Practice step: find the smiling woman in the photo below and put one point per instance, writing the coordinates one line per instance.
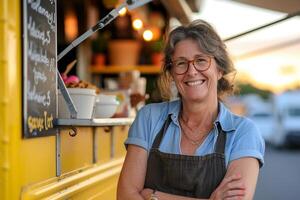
(192, 147)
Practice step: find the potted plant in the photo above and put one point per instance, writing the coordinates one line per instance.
(124, 47)
(99, 48)
(157, 54)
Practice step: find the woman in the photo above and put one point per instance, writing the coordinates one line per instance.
(193, 147)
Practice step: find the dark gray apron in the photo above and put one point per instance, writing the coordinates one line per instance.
(184, 175)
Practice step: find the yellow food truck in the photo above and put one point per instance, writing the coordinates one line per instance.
(43, 157)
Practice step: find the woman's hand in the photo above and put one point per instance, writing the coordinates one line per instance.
(231, 188)
(146, 193)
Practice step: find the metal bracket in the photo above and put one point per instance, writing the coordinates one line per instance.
(67, 98)
(95, 146)
(112, 142)
(57, 153)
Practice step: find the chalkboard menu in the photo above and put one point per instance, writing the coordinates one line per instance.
(39, 67)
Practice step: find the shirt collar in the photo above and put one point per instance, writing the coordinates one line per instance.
(174, 109)
(225, 117)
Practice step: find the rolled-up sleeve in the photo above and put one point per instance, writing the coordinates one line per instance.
(248, 142)
(139, 130)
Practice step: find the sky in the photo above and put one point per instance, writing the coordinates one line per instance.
(268, 58)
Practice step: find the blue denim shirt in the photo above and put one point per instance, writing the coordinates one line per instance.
(243, 137)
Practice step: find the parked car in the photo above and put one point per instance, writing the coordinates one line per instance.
(265, 121)
(286, 108)
(261, 112)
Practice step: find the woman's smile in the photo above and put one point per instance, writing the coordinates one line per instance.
(194, 82)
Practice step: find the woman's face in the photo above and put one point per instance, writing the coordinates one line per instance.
(194, 85)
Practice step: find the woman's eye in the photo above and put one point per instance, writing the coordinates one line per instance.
(200, 60)
(181, 63)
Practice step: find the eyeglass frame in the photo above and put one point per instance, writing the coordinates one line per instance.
(193, 62)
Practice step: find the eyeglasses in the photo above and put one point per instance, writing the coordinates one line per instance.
(201, 63)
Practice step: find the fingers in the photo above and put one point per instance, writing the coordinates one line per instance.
(231, 188)
(231, 178)
(234, 193)
(236, 184)
(146, 193)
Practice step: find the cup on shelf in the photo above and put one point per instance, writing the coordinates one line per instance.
(105, 106)
(83, 99)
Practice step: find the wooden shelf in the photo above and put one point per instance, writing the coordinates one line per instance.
(144, 69)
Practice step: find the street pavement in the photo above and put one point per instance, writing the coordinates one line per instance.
(279, 178)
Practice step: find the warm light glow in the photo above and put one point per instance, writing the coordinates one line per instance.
(71, 26)
(235, 16)
(148, 35)
(267, 58)
(156, 32)
(123, 11)
(137, 24)
(273, 72)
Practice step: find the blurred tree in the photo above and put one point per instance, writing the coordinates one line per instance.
(250, 89)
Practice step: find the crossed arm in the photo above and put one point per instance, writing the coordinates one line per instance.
(238, 183)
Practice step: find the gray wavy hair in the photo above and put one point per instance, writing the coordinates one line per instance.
(210, 43)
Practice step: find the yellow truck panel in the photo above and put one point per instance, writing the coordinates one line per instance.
(29, 166)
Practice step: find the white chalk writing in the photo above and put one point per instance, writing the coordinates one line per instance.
(36, 6)
(37, 55)
(37, 97)
(37, 33)
(52, 65)
(38, 76)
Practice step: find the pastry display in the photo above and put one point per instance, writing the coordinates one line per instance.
(73, 81)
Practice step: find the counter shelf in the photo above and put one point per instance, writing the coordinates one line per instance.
(93, 123)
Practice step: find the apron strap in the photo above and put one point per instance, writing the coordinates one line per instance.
(221, 140)
(220, 144)
(161, 133)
